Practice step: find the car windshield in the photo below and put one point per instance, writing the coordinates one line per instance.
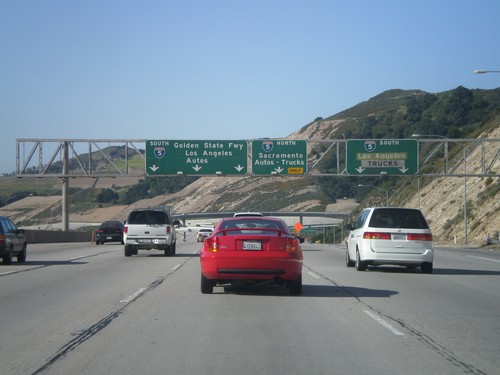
(114, 225)
(268, 227)
(148, 217)
(398, 218)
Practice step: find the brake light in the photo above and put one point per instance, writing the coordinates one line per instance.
(2, 239)
(376, 236)
(169, 229)
(125, 230)
(211, 244)
(419, 237)
(292, 245)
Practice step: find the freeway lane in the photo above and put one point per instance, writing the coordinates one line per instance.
(81, 308)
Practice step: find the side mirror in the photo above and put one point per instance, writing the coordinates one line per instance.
(177, 223)
(301, 239)
(348, 227)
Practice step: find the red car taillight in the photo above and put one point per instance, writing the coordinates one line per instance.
(419, 237)
(292, 245)
(169, 229)
(125, 229)
(2, 239)
(211, 244)
(376, 236)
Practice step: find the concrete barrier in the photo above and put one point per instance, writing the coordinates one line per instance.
(52, 236)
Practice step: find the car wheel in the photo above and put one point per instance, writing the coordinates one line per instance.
(97, 242)
(295, 286)
(7, 257)
(348, 261)
(128, 250)
(207, 286)
(426, 267)
(21, 258)
(360, 265)
(168, 250)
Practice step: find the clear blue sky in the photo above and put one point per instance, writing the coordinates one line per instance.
(225, 69)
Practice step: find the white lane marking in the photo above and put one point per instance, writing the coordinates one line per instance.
(384, 323)
(176, 267)
(133, 296)
(315, 275)
(77, 258)
(8, 273)
(491, 260)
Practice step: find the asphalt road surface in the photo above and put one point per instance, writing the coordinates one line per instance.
(87, 309)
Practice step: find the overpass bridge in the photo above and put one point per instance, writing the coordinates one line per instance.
(339, 216)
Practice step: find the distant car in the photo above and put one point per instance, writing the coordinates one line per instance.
(109, 231)
(203, 233)
(257, 250)
(394, 236)
(12, 241)
(237, 214)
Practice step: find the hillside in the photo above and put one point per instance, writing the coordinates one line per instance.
(392, 114)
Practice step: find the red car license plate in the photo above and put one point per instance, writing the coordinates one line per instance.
(252, 245)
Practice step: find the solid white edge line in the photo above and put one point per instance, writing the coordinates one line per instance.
(384, 323)
(491, 260)
(8, 273)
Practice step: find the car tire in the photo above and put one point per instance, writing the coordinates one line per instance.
(7, 257)
(128, 250)
(427, 267)
(295, 286)
(21, 257)
(168, 250)
(207, 286)
(360, 265)
(348, 261)
(174, 248)
(97, 242)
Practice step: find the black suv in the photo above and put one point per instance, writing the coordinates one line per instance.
(109, 231)
(12, 241)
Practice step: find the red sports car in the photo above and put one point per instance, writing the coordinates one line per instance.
(251, 249)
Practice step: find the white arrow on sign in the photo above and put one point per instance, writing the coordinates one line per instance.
(197, 168)
(404, 170)
(154, 168)
(360, 169)
(279, 169)
(239, 168)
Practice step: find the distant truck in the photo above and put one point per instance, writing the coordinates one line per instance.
(150, 228)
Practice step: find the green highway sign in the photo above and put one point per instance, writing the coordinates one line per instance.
(382, 156)
(188, 157)
(279, 156)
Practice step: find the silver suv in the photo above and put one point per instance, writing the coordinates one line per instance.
(150, 228)
(396, 236)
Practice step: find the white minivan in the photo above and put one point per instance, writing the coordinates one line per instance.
(387, 235)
